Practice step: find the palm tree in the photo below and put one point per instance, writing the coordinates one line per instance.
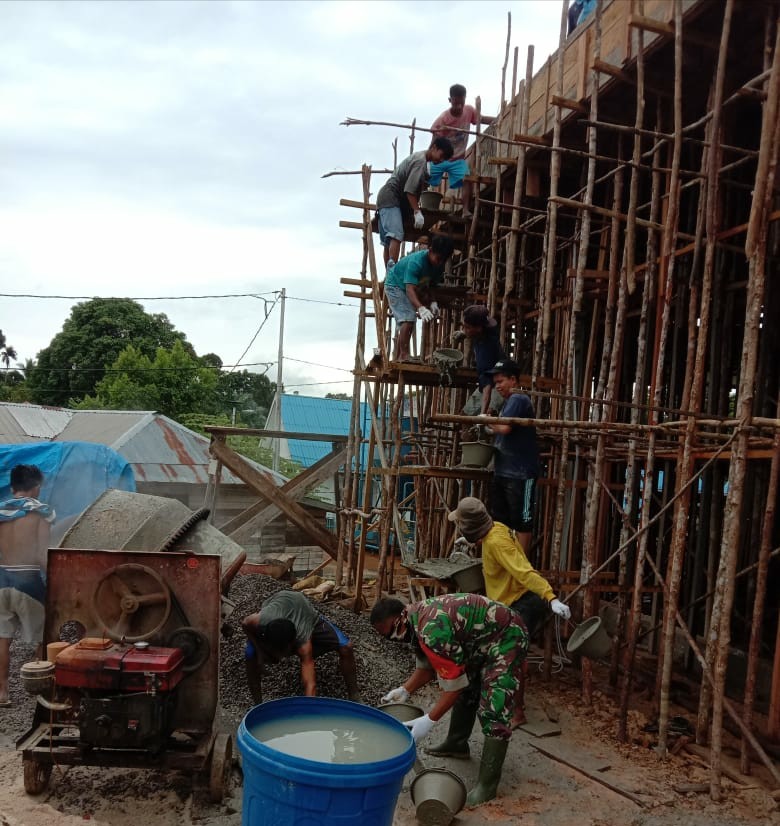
(7, 353)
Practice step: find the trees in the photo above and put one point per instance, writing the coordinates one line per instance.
(173, 383)
(93, 336)
(250, 394)
(7, 353)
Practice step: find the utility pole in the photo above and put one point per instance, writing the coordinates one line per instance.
(279, 386)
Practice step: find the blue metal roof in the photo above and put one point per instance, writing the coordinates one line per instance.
(312, 414)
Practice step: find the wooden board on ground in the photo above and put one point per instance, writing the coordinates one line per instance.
(541, 728)
(573, 755)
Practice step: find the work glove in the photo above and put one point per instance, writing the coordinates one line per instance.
(425, 314)
(419, 220)
(560, 608)
(420, 727)
(397, 695)
(435, 308)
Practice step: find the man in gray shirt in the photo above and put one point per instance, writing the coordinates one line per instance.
(404, 186)
(288, 623)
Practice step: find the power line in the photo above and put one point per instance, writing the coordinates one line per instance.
(137, 297)
(316, 364)
(316, 301)
(262, 324)
(74, 369)
(313, 383)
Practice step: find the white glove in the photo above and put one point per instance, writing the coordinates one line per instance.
(425, 314)
(397, 695)
(435, 308)
(420, 727)
(560, 608)
(419, 220)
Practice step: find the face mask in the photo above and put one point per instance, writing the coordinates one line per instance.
(402, 631)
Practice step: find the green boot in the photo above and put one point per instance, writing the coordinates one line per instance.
(456, 743)
(493, 754)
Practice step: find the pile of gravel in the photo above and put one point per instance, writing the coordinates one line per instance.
(381, 665)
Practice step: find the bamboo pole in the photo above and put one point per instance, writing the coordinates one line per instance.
(755, 250)
(544, 325)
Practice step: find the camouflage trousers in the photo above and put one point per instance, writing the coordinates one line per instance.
(494, 682)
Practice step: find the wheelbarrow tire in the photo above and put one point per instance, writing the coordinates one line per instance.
(221, 763)
(36, 776)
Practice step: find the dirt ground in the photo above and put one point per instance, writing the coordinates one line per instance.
(537, 788)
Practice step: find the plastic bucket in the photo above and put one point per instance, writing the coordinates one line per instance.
(476, 454)
(430, 199)
(283, 790)
(403, 712)
(438, 795)
(590, 640)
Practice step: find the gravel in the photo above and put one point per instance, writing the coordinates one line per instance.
(381, 665)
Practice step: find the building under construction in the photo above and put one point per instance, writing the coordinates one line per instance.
(626, 238)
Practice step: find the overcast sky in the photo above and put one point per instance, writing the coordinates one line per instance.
(153, 148)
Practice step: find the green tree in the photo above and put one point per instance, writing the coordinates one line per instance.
(249, 393)
(93, 336)
(342, 396)
(174, 383)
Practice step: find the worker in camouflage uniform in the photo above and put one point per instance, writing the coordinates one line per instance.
(476, 648)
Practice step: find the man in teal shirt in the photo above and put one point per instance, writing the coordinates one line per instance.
(409, 290)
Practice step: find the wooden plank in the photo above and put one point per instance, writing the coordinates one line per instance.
(648, 24)
(361, 296)
(588, 772)
(568, 103)
(541, 728)
(357, 282)
(263, 512)
(533, 139)
(268, 490)
(356, 204)
(351, 225)
(217, 430)
(502, 161)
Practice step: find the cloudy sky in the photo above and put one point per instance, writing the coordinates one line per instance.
(153, 148)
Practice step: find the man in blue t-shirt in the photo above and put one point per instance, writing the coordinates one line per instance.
(482, 329)
(409, 290)
(516, 456)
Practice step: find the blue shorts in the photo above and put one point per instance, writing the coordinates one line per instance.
(456, 171)
(512, 502)
(403, 309)
(325, 637)
(391, 225)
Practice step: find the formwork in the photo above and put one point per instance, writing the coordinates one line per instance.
(626, 239)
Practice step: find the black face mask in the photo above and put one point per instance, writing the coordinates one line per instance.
(401, 634)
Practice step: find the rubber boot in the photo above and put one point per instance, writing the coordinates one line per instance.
(456, 743)
(493, 754)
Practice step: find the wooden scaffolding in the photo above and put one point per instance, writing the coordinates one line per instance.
(626, 235)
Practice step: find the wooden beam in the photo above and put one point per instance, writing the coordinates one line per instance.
(536, 140)
(648, 24)
(356, 204)
(351, 225)
(268, 490)
(217, 430)
(361, 296)
(612, 70)
(241, 527)
(502, 162)
(607, 213)
(357, 282)
(568, 103)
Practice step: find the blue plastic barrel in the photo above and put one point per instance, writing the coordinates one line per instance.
(283, 790)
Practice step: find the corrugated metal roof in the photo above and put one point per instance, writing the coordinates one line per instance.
(158, 448)
(312, 414)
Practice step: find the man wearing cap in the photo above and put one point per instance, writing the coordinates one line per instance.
(516, 455)
(476, 648)
(482, 330)
(509, 576)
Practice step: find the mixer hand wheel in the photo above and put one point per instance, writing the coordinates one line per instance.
(127, 594)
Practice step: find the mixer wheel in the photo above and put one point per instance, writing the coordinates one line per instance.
(36, 776)
(194, 644)
(221, 763)
(131, 596)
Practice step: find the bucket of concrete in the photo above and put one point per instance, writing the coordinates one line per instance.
(476, 454)
(430, 199)
(590, 640)
(438, 795)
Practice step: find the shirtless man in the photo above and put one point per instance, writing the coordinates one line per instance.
(25, 524)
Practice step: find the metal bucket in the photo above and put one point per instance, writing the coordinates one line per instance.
(438, 795)
(590, 640)
(470, 580)
(430, 200)
(403, 712)
(122, 521)
(476, 454)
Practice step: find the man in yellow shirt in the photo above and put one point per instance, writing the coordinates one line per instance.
(509, 576)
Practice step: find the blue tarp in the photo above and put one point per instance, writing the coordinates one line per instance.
(75, 474)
